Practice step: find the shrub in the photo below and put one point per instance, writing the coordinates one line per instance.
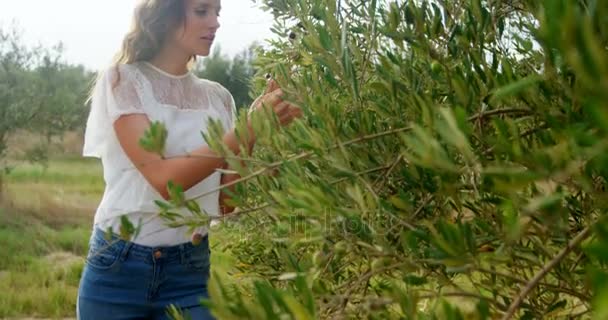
(451, 163)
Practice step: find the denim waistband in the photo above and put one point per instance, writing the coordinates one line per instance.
(149, 254)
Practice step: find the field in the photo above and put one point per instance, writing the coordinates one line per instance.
(46, 216)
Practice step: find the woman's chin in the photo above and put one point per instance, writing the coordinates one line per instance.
(203, 52)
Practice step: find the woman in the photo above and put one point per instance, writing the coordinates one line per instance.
(140, 278)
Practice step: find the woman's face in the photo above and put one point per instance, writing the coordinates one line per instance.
(195, 36)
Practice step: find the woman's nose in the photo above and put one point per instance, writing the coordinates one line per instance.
(214, 23)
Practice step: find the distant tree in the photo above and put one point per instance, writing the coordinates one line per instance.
(235, 74)
(65, 88)
(38, 91)
(16, 90)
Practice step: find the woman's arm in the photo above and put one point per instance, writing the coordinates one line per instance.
(186, 171)
(225, 208)
(294, 112)
(285, 118)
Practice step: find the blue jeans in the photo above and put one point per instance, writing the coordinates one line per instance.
(123, 280)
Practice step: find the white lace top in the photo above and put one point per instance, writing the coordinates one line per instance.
(184, 104)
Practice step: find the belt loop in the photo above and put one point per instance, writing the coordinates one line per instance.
(98, 234)
(182, 253)
(125, 250)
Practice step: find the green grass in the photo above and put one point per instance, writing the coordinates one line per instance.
(45, 224)
(64, 192)
(46, 217)
(39, 266)
(82, 176)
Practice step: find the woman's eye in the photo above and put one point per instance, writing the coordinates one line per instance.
(204, 12)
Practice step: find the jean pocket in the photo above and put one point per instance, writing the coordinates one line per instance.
(198, 259)
(103, 254)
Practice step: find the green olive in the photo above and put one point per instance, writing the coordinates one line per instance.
(435, 67)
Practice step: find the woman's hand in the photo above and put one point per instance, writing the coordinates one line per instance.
(271, 86)
(273, 98)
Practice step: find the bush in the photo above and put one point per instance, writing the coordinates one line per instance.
(451, 164)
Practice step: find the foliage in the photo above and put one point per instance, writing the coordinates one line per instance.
(451, 163)
(38, 91)
(235, 74)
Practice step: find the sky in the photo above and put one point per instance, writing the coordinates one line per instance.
(92, 30)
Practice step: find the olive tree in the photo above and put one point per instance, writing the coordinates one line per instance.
(451, 164)
(39, 92)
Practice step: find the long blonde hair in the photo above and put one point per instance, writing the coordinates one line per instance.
(153, 21)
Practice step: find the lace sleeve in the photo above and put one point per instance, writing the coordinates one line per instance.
(229, 105)
(116, 93)
(124, 93)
